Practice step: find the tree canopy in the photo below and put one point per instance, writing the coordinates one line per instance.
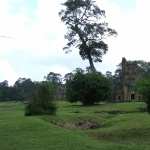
(87, 88)
(55, 78)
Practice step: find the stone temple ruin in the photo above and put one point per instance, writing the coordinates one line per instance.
(129, 74)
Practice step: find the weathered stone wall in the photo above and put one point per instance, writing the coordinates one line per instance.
(129, 76)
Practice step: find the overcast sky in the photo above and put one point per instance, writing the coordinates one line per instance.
(32, 37)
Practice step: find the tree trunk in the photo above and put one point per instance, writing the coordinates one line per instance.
(92, 67)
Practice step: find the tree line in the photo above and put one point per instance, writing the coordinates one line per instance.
(77, 86)
(23, 88)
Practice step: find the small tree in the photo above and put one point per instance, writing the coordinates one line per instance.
(143, 87)
(54, 78)
(24, 88)
(88, 88)
(86, 29)
(42, 100)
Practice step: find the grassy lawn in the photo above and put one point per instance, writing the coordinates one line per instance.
(121, 126)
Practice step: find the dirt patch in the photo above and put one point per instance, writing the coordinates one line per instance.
(87, 124)
(83, 124)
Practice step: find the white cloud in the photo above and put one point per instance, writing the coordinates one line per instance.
(33, 38)
(7, 72)
(60, 69)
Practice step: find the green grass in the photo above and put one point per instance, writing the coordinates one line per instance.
(123, 126)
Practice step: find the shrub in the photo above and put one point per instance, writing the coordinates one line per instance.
(88, 88)
(143, 87)
(41, 101)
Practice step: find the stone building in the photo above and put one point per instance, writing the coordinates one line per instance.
(129, 74)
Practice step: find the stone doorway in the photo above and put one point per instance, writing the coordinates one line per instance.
(119, 98)
(132, 96)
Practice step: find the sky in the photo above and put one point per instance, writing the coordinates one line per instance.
(32, 37)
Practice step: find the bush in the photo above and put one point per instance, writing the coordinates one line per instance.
(143, 87)
(88, 88)
(42, 100)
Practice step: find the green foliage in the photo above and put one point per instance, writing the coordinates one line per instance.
(54, 78)
(88, 88)
(7, 93)
(142, 71)
(42, 100)
(24, 88)
(86, 29)
(143, 87)
(144, 67)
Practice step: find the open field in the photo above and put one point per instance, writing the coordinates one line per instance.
(118, 126)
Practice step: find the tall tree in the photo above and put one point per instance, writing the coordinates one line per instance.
(86, 29)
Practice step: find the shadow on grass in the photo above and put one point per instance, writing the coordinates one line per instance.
(78, 105)
(117, 112)
(132, 135)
